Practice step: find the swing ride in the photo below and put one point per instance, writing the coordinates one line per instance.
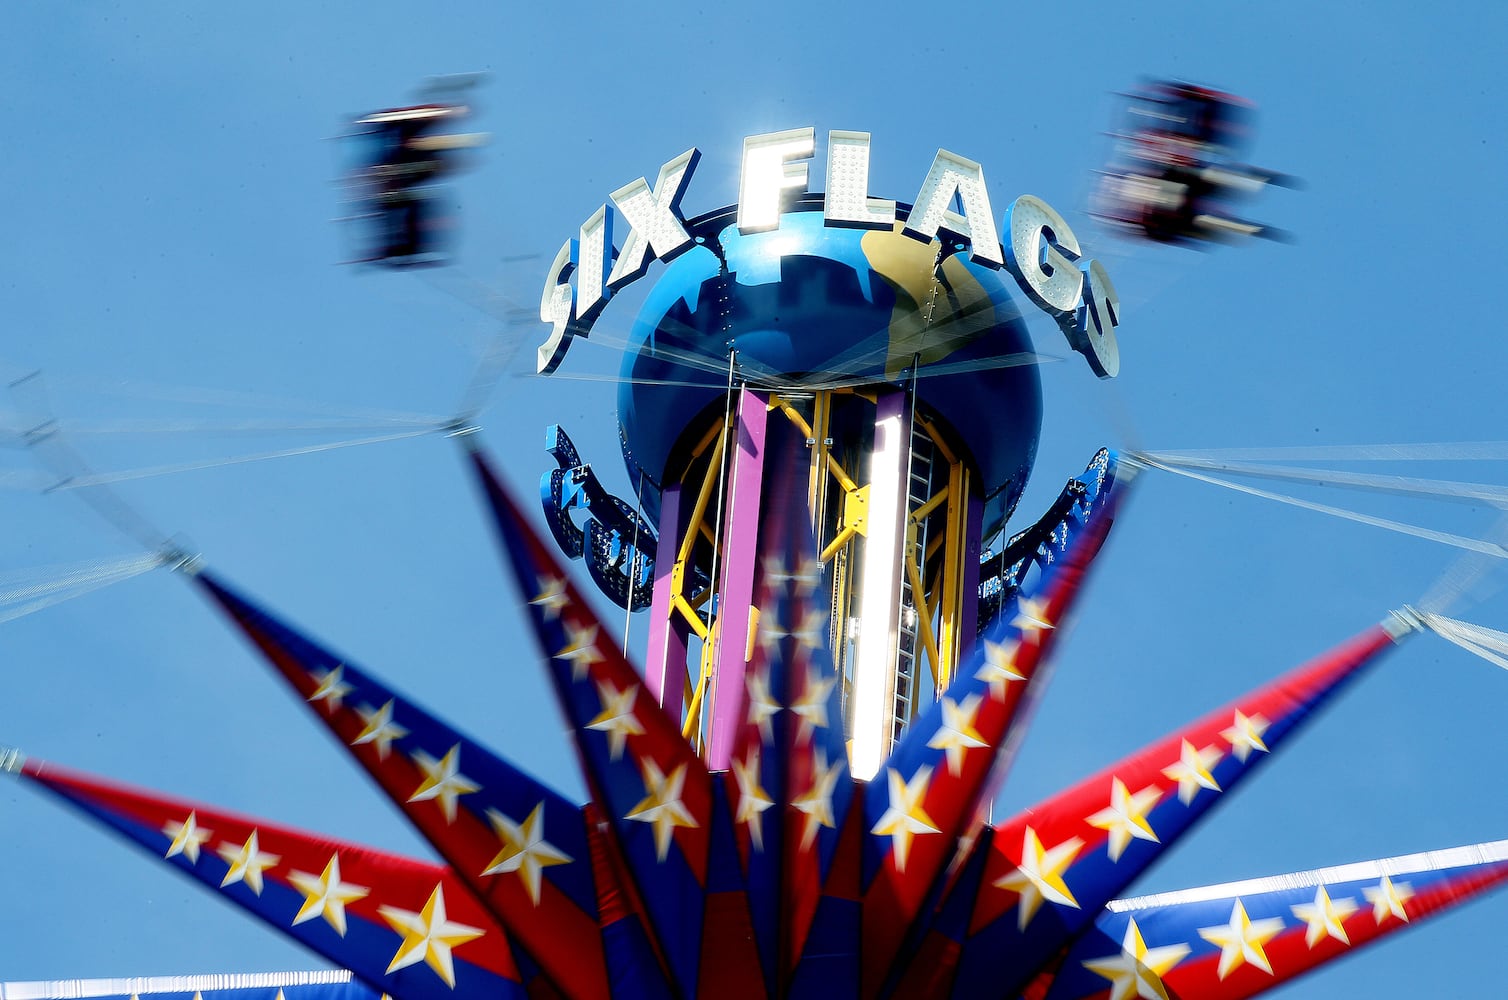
(829, 407)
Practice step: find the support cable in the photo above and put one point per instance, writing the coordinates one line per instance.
(1465, 451)
(633, 562)
(88, 480)
(710, 649)
(1489, 644)
(1407, 486)
(24, 593)
(1445, 538)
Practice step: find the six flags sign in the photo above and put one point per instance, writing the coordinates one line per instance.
(1040, 250)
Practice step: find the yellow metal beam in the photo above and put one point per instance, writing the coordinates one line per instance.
(837, 543)
(920, 514)
(951, 625)
(698, 512)
(923, 612)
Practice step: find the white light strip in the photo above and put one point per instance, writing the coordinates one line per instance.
(71, 989)
(1407, 864)
(875, 656)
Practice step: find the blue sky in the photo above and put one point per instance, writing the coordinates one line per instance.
(169, 188)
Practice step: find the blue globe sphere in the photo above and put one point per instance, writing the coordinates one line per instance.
(812, 306)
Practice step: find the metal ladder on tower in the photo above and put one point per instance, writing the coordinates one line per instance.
(918, 492)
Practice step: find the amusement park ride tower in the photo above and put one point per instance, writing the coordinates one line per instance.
(902, 363)
(913, 437)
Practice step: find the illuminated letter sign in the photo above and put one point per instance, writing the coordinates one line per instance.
(768, 174)
(655, 217)
(848, 202)
(615, 540)
(952, 175)
(1042, 254)
(1041, 251)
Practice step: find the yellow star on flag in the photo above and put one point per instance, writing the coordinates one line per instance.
(1240, 940)
(816, 803)
(904, 818)
(525, 849)
(1192, 772)
(1040, 876)
(811, 632)
(325, 895)
(551, 597)
(443, 780)
(808, 575)
(762, 705)
(957, 732)
(187, 838)
(1325, 917)
(247, 863)
(1387, 899)
(580, 649)
(999, 666)
(1245, 735)
(331, 688)
(774, 569)
(1137, 970)
(811, 705)
(752, 799)
(428, 937)
(662, 807)
(1031, 615)
(768, 631)
(379, 729)
(1126, 817)
(617, 718)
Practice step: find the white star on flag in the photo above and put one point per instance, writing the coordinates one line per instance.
(768, 631)
(762, 705)
(1031, 615)
(662, 807)
(811, 633)
(1192, 772)
(247, 863)
(1137, 970)
(1245, 735)
(187, 838)
(379, 728)
(331, 688)
(957, 734)
(551, 597)
(617, 718)
(1240, 940)
(816, 803)
(428, 936)
(580, 649)
(1040, 876)
(1325, 917)
(1387, 899)
(325, 895)
(999, 666)
(811, 706)
(1125, 818)
(904, 818)
(443, 780)
(752, 799)
(525, 849)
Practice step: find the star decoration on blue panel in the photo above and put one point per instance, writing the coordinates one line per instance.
(525, 850)
(428, 936)
(326, 895)
(443, 781)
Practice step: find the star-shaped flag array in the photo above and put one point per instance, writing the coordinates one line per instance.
(784, 876)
